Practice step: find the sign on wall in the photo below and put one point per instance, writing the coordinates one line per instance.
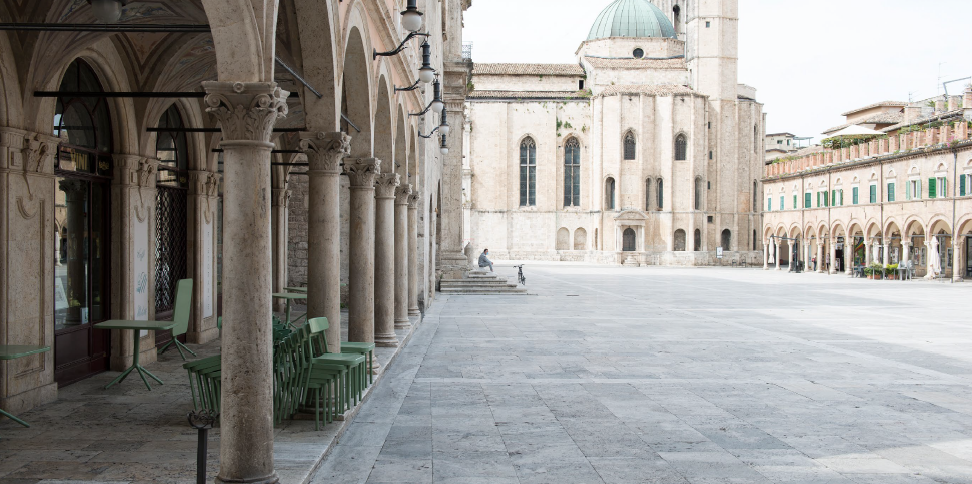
(718, 252)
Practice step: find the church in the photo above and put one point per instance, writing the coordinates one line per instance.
(646, 151)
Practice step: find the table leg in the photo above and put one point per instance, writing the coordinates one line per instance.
(15, 419)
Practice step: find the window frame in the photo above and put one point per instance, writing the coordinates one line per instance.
(572, 172)
(629, 147)
(681, 147)
(528, 172)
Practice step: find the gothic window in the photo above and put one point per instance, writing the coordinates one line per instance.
(648, 194)
(629, 147)
(754, 240)
(677, 19)
(754, 197)
(528, 173)
(698, 193)
(609, 193)
(698, 240)
(572, 174)
(726, 239)
(660, 194)
(681, 147)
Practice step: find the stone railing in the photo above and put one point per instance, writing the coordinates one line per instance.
(895, 144)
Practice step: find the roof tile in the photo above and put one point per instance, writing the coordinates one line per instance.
(528, 69)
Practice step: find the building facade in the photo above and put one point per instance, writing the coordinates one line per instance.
(169, 144)
(904, 198)
(646, 151)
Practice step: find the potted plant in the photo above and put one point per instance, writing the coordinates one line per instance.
(892, 271)
(877, 270)
(869, 272)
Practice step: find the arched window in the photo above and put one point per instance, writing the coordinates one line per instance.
(172, 150)
(677, 19)
(660, 194)
(698, 240)
(698, 193)
(629, 240)
(726, 239)
(648, 194)
(572, 173)
(630, 147)
(580, 239)
(754, 240)
(754, 197)
(609, 193)
(680, 240)
(528, 173)
(681, 147)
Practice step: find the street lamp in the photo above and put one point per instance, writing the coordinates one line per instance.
(443, 127)
(442, 147)
(436, 104)
(426, 72)
(411, 17)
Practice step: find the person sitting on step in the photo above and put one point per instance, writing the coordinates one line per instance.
(484, 260)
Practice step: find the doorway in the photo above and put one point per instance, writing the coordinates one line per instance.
(82, 213)
(629, 240)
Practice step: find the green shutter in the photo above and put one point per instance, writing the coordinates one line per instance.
(931, 188)
(908, 189)
(962, 185)
(890, 192)
(782, 207)
(841, 197)
(819, 200)
(807, 201)
(918, 194)
(833, 197)
(795, 206)
(826, 199)
(769, 204)
(855, 195)
(873, 194)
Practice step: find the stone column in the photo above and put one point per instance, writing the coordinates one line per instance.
(325, 151)
(929, 265)
(413, 275)
(958, 261)
(402, 194)
(361, 247)
(776, 245)
(247, 112)
(385, 186)
(820, 257)
(848, 256)
(832, 246)
(279, 202)
(765, 257)
(905, 250)
(867, 252)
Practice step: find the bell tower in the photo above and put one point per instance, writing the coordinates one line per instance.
(711, 47)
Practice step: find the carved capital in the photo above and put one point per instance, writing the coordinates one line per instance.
(413, 200)
(146, 172)
(361, 171)
(247, 111)
(126, 168)
(281, 197)
(385, 185)
(39, 151)
(212, 185)
(325, 151)
(203, 183)
(402, 194)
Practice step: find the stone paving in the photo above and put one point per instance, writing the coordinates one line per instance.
(129, 435)
(664, 375)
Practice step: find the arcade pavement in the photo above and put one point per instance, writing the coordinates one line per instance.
(675, 376)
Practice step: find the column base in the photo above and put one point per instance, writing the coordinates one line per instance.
(454, 265)
(387, 340)
(414, 312)
(402, 323)
(271, 479)
(958, 279)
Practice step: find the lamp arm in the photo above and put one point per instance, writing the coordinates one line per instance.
(400, 47)
(430, 133)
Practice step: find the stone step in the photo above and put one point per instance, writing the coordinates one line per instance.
(477, 286)
(470, 291)
(475, 281)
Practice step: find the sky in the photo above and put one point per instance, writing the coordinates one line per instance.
(808, 60)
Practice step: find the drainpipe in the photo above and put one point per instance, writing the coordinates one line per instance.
(955, 249)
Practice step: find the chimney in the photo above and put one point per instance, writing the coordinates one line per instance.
(967, 103)
(912, 113)
(954, 103)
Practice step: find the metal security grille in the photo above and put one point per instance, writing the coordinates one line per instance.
(171, 251)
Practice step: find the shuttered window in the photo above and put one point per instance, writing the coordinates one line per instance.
(855, 194)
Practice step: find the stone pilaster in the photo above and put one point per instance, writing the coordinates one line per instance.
(776, 251)
(820, 257)
(385, 186)
(832, 259)
(402, 194)
(451, 258)
(27, 201)
(203, 200)
(325, 152)
(279, 203)
(765, 257)
(413, 274)
(958, 261)
(247, 113)
(361, 248)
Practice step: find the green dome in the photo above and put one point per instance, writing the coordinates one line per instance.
(631, 18)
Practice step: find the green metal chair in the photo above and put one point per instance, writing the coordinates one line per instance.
(355, 363)
(180, 315)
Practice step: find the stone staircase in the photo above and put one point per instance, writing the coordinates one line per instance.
(480, 282)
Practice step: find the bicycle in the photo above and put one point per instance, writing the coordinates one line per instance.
(520, 276)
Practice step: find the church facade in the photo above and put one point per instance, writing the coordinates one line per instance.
(646, 151)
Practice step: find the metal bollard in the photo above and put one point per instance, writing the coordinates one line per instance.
(202, 421)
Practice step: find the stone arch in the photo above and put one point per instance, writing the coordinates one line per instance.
(872, 228)
(563, 239)
(890, 224)
(245, 44)
(316, 22)
(356, 91)
(913, 222)
(580, 239)
(384, 140)
(11, 109)
(697, 240)
(794, 231)
(192, 117)
(938, 222)
(112, 73)
(767, 233)
(964, 224)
